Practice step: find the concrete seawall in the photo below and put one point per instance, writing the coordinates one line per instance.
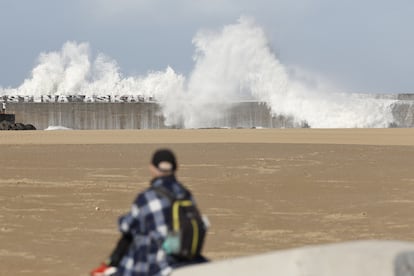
(132, 115)
(147, 115)
(89, 115)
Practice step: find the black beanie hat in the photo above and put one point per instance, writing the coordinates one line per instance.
(164, 160)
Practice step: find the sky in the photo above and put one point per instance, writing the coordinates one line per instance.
(362, 46)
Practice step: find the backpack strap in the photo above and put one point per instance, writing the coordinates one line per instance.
(164, 192)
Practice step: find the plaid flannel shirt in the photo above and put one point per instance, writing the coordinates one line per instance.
(149, 222)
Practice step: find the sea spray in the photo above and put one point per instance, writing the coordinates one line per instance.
(236, 63)
(225, 63)
(73, 71)
(232, 64)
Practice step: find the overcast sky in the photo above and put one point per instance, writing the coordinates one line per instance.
(362, 45)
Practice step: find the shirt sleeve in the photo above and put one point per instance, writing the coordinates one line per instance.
(131, 220)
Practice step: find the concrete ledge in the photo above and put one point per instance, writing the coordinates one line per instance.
(358, 258)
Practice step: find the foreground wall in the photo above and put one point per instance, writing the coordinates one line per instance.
(147, 115)
(359, 258)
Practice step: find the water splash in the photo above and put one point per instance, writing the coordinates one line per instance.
(232, 64)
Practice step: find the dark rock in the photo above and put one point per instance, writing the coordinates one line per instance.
(29, 127)
(18, 126)
(5, 125)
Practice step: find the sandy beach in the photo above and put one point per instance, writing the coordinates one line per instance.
(61, 192)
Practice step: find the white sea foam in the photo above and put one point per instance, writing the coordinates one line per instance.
(232, 64)
(57, 128)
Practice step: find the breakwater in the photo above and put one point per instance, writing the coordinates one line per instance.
(136, 115)
(148, 115)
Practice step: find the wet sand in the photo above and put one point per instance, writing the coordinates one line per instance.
(61, 192)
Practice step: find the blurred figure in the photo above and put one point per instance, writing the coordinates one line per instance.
(164, 229)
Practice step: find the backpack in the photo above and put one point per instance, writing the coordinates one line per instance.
(186, 239)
